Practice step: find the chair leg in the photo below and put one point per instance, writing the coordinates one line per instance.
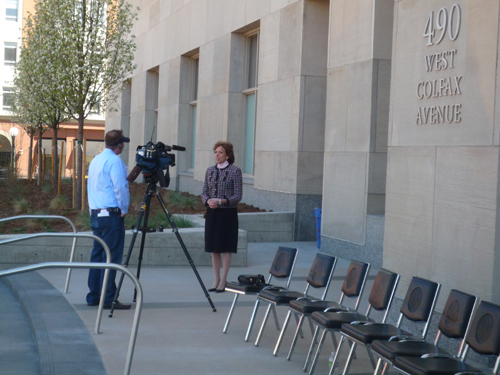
(276, 321)
(370, 355)
(334, 339)
(384, 369)
(316, 356)
(252, 319)
(311, 326)
(336, 357)
(294, 340)
(349, 359)
(263, 325)
(230, 312)
(311, 348)
(300, 329)
(282, 333)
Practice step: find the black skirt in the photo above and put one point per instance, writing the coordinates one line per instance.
(221, 230)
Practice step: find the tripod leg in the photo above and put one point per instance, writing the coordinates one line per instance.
(145, 203)
(143, 240)
(186, 253)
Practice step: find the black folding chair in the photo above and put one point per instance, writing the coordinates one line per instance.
(483, 337)
(281, 268)
(380, 299)
(352, 287)
(417, 307)
(320, 276)
(453, 325)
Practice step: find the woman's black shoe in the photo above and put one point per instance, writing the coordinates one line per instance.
(220, 290)
(212, 289)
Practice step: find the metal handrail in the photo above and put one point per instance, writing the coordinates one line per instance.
(55, 217)
(84, 235)
(107, 266)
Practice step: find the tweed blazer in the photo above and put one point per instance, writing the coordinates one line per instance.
(226, 183)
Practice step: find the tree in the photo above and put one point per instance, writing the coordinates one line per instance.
(86, 49)
(37, 95)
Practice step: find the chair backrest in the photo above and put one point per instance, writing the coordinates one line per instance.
(354, 282)
(321, 272)
(484, 332)
(283, 263)
(419, 302)
(383, 291)
(457, 314)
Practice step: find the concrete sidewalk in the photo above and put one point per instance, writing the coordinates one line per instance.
(179, 333)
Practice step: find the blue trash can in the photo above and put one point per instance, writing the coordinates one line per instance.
(317, 214)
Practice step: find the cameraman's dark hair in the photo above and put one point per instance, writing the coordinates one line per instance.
(112, 138)
(229, 150)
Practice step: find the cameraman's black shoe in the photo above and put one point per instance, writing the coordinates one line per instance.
(119, 306)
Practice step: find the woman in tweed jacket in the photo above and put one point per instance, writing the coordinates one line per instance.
(222, 190)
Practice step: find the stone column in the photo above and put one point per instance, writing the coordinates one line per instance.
(291, 109)
(359, 67)
(442, 177)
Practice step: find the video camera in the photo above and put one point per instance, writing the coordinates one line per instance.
(152, 160)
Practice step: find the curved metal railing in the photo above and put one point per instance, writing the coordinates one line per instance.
(107, 266)
(54, 217)
(75, 235)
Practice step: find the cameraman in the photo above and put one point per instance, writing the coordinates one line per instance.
(109, 199)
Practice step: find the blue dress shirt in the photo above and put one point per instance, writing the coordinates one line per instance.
(107, 183)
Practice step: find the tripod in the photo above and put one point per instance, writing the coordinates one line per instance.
(150, 192)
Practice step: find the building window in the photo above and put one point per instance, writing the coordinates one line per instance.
(10, 53)
(195, 63)
(11, 10)
(250, 94)
(7, 94)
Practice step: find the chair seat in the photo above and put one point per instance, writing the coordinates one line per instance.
(433, 366)
(280, 297)
(243, 288)
(392, 349)
(367, 333)
(334, 320)
(308, 306)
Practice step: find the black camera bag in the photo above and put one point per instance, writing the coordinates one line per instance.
(251, 280)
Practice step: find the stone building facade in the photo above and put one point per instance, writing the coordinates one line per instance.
(381, 112)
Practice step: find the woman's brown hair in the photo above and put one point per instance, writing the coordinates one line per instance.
(229, 150)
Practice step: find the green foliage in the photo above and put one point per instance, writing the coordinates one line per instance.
(182, 221)
(46, 189)
(83, 221)
(182, 201)
(21, 206)
(60, 202)
(154, 221)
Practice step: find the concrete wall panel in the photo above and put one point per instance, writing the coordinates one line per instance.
(409, 211)
(351, 31)
(314, 53)
(465, 217)
(312, 130)
(336, 109)
(381, 130)
(310, 179)
(290, 41)
(269, 48)
(472, 61)
(344, 196)
(275, 116)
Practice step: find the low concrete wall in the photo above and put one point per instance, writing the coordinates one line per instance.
(267, 226)
(160, 249)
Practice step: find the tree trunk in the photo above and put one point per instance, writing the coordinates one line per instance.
(40, 157)
(30, 161)
(55, 174)
(79, 164)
